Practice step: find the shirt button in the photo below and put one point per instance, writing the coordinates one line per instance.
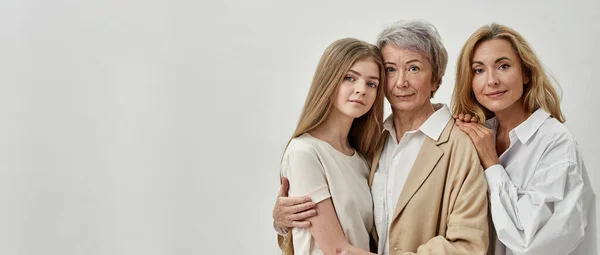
(395, 248)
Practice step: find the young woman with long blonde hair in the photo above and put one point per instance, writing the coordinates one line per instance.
(328, 153)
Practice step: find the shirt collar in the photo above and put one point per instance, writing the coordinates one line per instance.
(432, 127)
(531, 125)
(527, 129)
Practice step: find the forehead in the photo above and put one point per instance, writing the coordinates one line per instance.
(493, 49)
(366, 65)
(393, 53)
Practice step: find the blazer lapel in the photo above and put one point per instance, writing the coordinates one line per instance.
(428, 157)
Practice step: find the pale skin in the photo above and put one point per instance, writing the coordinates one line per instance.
(355, 96)
(498, 85)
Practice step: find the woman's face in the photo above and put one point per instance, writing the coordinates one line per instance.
(358, 90)
(409, 85)
(497, 75)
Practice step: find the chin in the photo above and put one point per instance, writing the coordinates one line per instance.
(404, 106)
(496, 106)
(354, 114)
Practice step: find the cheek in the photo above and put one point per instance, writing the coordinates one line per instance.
(371, 96)
(390, 81)
(423, 84)
(477, 84)
(342, 93)
(516, 81)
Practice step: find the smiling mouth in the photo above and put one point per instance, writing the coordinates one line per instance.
(496, 94)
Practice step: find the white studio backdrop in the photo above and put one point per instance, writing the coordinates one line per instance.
(157, 127)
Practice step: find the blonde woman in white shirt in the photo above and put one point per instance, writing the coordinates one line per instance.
(540, 194)
(326, 157)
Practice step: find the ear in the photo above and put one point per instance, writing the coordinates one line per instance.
(436, 85)
(526, 77)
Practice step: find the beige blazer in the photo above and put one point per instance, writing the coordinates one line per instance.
(443, 206)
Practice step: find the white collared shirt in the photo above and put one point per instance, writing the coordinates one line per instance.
(541, 198)
(395, 164)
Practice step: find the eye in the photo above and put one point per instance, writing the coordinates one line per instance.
(504, 66)
(390, 69)
(413, 69)
(477, 70)
(349, 78)
(372, 84)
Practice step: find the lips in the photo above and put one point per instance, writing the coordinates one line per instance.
(403, 97)
(496, 94)
(358, 101)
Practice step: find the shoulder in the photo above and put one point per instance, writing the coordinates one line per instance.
(556, 140)
(462, 156)
(302, 143)
(304, 147)
(460, 141)
(552, 128)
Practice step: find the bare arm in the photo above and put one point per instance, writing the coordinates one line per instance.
(326, 230)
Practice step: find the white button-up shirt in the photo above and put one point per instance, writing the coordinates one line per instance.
(395, 164)
(541, 198)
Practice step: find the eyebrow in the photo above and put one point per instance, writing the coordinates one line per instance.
(497, 60)
(357, 73)
(413, 60)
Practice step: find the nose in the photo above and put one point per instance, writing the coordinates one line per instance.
(401, 79)
(360, 88)
(492, 79)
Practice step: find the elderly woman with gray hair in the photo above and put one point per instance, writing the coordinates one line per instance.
(428, 188)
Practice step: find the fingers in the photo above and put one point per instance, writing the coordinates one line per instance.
(467, 118)
(293, 201)
(474, 119)
(301, 224)
(470, 131)
(285, 185)
(302, 207)
(303, 215)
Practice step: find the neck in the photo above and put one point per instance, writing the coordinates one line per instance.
(335, 130)
(405, 121)
(511, 117)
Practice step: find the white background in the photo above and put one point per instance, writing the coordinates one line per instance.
(156, 127)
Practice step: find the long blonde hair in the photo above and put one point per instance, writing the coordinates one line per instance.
(333, 66)
(538, 93)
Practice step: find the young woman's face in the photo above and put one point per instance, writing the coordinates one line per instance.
(358, 90)
(408, 75)
(497, 75)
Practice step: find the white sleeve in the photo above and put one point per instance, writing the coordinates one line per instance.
(545, 217)
(306, 174)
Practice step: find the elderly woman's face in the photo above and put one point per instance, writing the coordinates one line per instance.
(408, 75)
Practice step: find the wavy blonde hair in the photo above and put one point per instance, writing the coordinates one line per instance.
(333, 66)
(538, 93)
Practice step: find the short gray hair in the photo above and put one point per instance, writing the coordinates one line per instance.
(420, 36)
